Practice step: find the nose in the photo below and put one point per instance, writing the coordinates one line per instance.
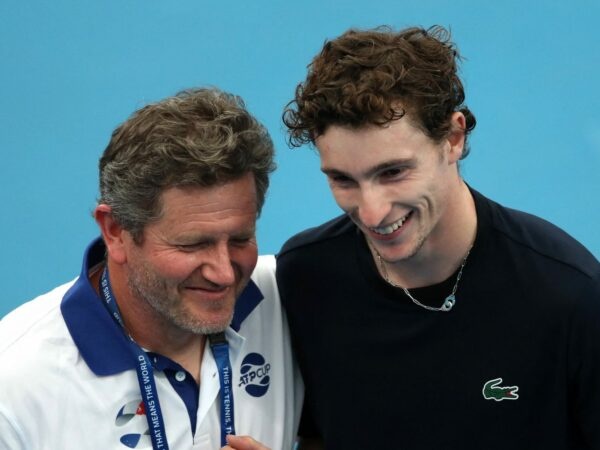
(373, 207)
(218, 269)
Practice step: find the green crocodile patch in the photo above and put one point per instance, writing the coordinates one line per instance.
(492, 391)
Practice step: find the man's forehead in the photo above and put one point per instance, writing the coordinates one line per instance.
(223, 198)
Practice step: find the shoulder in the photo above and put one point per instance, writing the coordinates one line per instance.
(534, 238)
(34, 321)
(259, 303)
(328, 254)
(264, 272)
(263, 278)
(35, 346)
(313, 238)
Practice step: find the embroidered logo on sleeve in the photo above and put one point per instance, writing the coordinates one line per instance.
(255, 375)
(492, 391)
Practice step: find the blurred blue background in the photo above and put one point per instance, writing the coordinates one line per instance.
(73, 70)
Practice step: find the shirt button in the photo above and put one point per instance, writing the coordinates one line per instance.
(180, 375)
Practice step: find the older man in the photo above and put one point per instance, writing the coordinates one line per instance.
(172, 336)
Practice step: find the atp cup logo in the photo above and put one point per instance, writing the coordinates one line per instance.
(255, 375)
(132, 416)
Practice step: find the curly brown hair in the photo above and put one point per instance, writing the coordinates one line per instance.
(372, 77)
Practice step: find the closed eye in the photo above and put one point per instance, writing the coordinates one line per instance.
(192, 247)
(340, 180)
(392, 173)
(242, 241)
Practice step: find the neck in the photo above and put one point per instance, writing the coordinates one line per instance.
(445, 248)
(149, 329)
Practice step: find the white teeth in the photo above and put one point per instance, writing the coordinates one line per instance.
(390, 228)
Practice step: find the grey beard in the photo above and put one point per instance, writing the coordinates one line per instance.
(147, 287)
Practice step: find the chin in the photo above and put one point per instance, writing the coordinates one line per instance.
(213, 324)
(204, 328)
(201, 322)
(404, 253)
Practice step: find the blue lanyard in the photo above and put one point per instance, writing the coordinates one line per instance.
(220, 349)
(145, 374)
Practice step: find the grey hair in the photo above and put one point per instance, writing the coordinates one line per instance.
(199, 137)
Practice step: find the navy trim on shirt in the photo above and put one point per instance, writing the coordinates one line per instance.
(100, 340)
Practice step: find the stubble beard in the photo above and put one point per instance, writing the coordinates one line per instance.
(149, 287)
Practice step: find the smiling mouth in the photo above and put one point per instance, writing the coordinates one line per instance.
(206, 288)
(389, 229)
(208, 291)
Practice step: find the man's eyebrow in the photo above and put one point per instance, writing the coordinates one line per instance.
(407, 162)
(328, 171)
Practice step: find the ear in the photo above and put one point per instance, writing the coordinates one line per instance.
(456, 138)
(115, 237)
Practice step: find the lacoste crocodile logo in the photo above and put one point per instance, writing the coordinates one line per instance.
(491, 391)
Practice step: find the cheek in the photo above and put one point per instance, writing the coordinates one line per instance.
(344, 199)
(434, 199)
(245, 259)
(177, 266)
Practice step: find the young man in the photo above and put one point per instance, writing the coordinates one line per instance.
(172, 336)
(429, 316)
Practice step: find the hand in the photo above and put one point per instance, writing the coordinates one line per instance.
(243, 443)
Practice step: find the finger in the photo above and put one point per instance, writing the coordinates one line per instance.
(244, 443)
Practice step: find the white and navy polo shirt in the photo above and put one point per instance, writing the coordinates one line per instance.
(68, 379)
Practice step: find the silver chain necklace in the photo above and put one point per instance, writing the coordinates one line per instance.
(448, 301)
